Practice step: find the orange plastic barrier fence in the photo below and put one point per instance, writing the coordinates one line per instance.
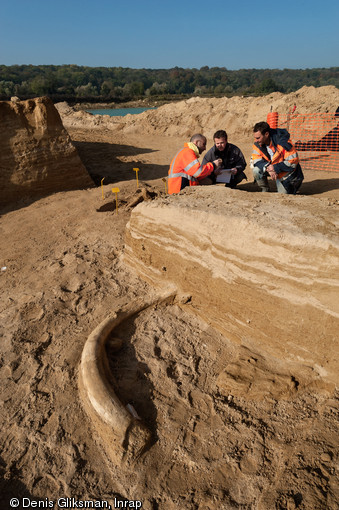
(316, 138)
(273, 119)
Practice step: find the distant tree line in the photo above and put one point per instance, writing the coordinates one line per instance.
(117, 84)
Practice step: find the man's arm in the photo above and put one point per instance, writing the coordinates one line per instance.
(291, 160)
(197, 170)
(209, 156)
(257, 158)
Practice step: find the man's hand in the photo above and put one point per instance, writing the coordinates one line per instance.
(270, 170)
(217, 163)
(234, 171)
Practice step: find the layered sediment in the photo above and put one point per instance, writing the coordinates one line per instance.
(264, 273)
(37, 156)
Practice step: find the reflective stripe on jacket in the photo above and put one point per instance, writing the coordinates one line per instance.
(284, 160)
(186, 170)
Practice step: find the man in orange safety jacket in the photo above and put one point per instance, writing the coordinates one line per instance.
(275, 156)
(185, 169)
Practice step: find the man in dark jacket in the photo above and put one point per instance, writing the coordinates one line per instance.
(232, 159)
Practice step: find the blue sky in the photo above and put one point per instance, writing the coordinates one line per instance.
(241, 34)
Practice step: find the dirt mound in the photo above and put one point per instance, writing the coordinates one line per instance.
(37, 156)
(237, 114)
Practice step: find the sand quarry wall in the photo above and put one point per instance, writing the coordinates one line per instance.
(36, 153)
(181, 119)
(264, 273)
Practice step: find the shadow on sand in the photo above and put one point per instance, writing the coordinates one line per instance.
(316, 187)
(11, 487)
(115, 162)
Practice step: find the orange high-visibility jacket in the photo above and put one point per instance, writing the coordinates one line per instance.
(186, 170)
(285, 158)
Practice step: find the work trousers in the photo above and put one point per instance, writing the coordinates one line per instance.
(288, 185)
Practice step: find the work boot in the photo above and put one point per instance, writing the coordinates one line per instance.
(263, 184)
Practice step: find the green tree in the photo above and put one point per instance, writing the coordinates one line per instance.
(267, 86)
(86, 90)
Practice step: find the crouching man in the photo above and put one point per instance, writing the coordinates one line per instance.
(185, 169)
(232, 159)
(275, 156)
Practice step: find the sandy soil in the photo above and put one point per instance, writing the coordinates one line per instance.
(64, 275)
